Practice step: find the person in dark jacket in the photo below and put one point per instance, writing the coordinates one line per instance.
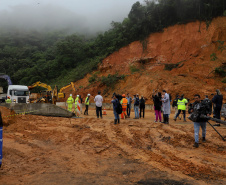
(142, 105)
(217, 105)
(115, 102)
(200, 122)
(174, 105)
(136, 106)
(157, 106)
(129, 102)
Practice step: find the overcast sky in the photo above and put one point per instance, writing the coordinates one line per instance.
(79, 15)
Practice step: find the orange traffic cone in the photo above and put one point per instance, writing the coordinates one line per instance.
(104, 112)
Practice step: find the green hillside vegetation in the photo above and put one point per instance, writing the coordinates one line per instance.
(56, 58)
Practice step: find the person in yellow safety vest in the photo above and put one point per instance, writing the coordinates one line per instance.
(87, 104)
(70, 102)
(124, 102)
(8, 100)
(181, 106)
(76, 102)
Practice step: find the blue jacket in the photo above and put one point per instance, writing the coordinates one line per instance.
(115, 102)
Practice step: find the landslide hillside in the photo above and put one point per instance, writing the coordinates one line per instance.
(181, 59)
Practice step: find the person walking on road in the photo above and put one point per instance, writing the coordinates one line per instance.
(142, 105)
(129, 102)
(87, 104)
(217, 105)
(136, 105)
(181, 106)
(157, 106)
(98, 100)
(70, 102)
(115, 102)
(166, 107)
(124, 106)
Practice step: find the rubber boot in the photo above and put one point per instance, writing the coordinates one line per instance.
(164, 120)
(118, 121)
(115, 121)
(167, 120)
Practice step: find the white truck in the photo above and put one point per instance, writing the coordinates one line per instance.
(18, 93)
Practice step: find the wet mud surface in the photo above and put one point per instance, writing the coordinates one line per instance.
(87, 150)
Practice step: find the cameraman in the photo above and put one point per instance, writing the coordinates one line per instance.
(199, 108)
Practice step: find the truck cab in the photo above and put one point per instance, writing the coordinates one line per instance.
(18, 93)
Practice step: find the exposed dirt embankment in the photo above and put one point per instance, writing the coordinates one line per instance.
(185, 49)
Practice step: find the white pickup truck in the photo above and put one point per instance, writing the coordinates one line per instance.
(18, 93)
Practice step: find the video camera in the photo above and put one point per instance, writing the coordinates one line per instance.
(119, 97)
(198, 111)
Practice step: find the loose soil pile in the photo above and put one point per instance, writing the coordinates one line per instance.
(50, 150)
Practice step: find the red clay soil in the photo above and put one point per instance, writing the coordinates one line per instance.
(50, 150)
(189, 46)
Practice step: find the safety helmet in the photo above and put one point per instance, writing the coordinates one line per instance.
(124, 95)
(88, 94)
(70, 94)
(77, 95)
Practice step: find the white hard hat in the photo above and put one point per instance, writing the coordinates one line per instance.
(70, 94)
(77, 95)
(88, 94)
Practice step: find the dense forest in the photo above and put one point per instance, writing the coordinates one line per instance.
(56, 58)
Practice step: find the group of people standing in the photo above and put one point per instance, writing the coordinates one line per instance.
(77, 102)
(161, 105)
(122, 105)
(126, 103)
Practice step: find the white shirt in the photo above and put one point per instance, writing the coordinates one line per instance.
(98, 99)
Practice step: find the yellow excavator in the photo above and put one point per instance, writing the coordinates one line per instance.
(61, 94)
(50, 95)
(46, 96)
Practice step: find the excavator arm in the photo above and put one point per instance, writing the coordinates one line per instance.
(61, 94)
(40, 84)
(7, 78)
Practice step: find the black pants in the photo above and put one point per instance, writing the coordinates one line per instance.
(142, 109)
(179, 111)
(86, 111)
(128, 109)
(99, 111)
(217, 112)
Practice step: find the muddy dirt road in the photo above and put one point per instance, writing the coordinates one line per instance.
(47, 150)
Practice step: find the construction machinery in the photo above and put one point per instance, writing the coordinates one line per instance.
(61, 94)
(45, 96)
(49, 95)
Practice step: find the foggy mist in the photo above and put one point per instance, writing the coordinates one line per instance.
(52, 16)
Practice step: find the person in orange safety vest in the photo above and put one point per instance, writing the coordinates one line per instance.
(124, 106)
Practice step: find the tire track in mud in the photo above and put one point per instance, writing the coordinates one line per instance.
(147, 156)
(164, 147)
(135, 145)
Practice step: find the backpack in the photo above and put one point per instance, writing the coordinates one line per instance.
(175, 102)
(136, 101)
(119, 108)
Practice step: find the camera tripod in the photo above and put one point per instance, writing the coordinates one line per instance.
(217, 131)
(216, 120)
